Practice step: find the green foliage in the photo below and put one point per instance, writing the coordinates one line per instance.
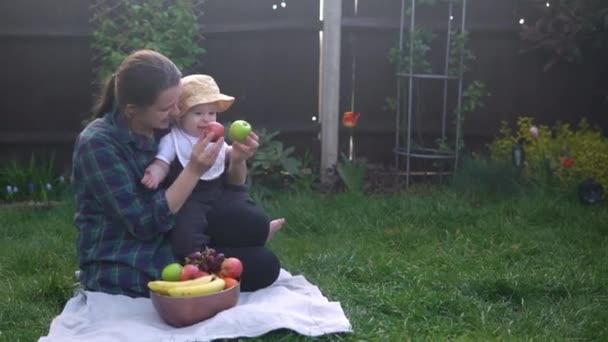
(390, 104)
(308, 177)
(586, 146)
(472, 99)
(352, 173)
(422, 40)
(170, 28)
(32, 181)
(273, 164)
(458, 50)
(478, 178)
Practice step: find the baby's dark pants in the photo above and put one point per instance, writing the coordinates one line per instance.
(224, 217)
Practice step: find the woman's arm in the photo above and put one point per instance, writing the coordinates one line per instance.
(182, 187)
(102, 170)
(201, 160)
(237, 172)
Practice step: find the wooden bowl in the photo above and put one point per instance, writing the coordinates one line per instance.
(184, 311)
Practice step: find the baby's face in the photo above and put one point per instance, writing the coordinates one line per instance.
(198, 117)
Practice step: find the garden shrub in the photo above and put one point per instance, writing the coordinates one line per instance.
(570, 155)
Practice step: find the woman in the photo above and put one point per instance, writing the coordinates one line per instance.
(123, 226)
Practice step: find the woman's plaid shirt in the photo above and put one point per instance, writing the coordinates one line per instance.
(121, 225)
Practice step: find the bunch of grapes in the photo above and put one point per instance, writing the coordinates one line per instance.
(209, 260)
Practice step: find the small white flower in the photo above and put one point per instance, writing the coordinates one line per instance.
(61, 179)
(49, 187)
(15, 189)
(9, 189)
(534, 132)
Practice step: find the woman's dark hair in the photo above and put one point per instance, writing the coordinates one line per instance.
(140, 78)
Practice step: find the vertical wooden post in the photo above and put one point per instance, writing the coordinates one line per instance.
(330, 85)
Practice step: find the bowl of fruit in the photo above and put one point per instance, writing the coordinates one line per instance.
(206, 284)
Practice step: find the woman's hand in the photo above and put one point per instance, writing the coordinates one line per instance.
(202, 157)
(242, 151)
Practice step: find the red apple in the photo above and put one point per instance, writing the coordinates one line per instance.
(189, 271)
(231, 268)
(216, 128)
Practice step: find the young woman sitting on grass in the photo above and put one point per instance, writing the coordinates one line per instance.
(123, 226)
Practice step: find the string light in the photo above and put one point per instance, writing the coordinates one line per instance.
(548, 4)
(283, 4)
(451, 17)
(522, 21)
(314, 118)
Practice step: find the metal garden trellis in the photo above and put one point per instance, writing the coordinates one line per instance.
(408, 151)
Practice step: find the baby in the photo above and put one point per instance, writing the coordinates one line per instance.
(199, 104)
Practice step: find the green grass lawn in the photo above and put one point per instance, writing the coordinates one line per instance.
(428, 265)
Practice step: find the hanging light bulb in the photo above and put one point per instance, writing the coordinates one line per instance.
(548, 4)
(314, 118)
(451, 17)
(274, 7)
(522, 21)
(283, 4)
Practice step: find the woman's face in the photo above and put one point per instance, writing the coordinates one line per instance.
(156, 116)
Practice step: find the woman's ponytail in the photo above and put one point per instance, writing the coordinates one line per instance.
(107, 100)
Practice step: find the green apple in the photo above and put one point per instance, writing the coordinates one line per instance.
(239, 130)
(172, 272)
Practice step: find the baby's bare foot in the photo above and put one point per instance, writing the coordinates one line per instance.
(275, 225)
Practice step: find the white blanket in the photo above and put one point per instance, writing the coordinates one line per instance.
(290, 303)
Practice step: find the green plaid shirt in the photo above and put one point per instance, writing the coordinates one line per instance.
(121, 225)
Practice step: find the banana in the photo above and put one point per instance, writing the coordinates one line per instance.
(214, 286)
(162, 286)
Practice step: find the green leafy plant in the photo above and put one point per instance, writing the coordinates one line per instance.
(480, 177)
(32, 181)
(352, 173)
(568, 155)
(273, 165)
(422, 40)
(167, 27)
(472, 99)
(308, 176)
(458, 49)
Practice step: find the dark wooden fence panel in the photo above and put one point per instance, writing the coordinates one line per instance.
(273, 75)
(268, 59)
(45, 70)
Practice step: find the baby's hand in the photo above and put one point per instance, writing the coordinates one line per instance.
(149, 180)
